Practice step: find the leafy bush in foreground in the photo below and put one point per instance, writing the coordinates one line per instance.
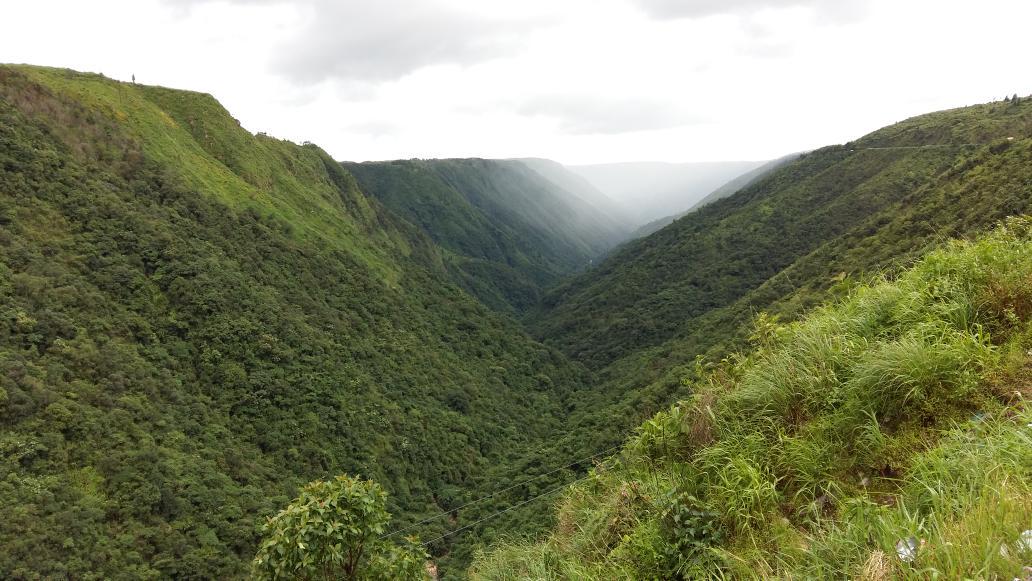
(334, 530)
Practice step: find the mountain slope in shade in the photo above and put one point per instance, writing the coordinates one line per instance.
(509, 230)
(651, 190)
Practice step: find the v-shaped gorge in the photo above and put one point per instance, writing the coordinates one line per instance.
(199, 320)
(506, 231)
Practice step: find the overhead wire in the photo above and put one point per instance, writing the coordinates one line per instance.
(503, 511)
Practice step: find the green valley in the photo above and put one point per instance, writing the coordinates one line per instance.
(227, 355)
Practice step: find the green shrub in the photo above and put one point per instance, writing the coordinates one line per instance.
(333, 530)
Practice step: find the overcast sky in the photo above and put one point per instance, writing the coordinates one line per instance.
(576, 81)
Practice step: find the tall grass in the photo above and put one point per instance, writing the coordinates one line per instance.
(898, 412)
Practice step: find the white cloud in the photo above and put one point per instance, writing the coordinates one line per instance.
(832, 10)
(388, 39)
(589, 115)
(580, 81)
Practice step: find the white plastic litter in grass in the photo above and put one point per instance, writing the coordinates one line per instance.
(907, 549)
(1025, 541)
(1020, 546)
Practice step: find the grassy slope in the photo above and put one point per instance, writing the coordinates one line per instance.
(899, 411)
(510, 231)
(197, 320)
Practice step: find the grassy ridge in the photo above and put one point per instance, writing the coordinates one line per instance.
(301, 186)
(898, 412)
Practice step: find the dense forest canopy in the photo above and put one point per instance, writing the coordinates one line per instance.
(197, 321)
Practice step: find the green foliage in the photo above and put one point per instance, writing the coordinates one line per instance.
(807, 232)
(333, 530)
(897, 412)
(195, 321)
(689, 529)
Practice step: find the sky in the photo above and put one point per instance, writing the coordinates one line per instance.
(577, 81)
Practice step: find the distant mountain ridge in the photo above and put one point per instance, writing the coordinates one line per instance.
(576, 184)
(653, 190)
(723, 191)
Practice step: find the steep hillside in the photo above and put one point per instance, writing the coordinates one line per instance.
(197, 320)
(510, 231)
(746, 179)
(886, 436)
(652, 190)
(580, 187)
(834, 214)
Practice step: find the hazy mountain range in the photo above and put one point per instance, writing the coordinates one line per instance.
(651, 190)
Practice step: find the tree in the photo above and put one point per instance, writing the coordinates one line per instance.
(333, 530)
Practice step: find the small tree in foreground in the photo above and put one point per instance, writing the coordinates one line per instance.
(332, 531)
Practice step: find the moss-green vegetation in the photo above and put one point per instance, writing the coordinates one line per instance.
(509, 231)
(195, 321)
(900, 411)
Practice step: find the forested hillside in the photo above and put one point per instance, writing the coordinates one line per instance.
(663, 308)
(508, 231)
(837, 212)
(198, 320)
